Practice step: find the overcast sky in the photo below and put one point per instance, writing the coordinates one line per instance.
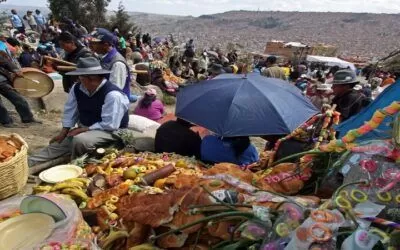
(199, 7)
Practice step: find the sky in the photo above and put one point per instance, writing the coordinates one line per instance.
(200, 7)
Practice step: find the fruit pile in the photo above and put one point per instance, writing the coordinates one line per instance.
(74, 188)
(125, 196)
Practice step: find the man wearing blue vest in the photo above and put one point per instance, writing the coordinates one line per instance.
(103, 42)
(97, 106)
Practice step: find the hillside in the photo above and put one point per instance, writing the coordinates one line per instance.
(354, 33)
(360, 34)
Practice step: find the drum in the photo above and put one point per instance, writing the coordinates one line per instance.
(34, 84)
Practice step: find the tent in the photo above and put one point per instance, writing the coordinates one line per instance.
(389, 95)
(331, 61)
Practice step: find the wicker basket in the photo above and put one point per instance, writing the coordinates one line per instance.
(14, 173)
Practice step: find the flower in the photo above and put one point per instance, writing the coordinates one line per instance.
(369, 165)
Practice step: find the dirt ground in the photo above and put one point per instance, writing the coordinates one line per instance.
(37, 135)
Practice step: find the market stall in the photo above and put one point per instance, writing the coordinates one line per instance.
(331, 61)
(337, 194)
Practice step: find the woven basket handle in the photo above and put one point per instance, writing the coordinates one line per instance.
(18, 137)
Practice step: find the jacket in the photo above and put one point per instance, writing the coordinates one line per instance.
(91, 108)
(274, 72)
(350, 103)
(73, 57)
(7, 67)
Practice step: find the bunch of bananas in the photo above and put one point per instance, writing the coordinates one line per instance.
(75, 188)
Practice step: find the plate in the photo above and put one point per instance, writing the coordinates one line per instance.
(60, 173)
(34, 84)
(38, 204)
(25, 231)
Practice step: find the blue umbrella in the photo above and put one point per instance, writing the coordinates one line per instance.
(234, 105)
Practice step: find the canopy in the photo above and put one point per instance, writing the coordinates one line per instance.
(238, 105)
(331, 61)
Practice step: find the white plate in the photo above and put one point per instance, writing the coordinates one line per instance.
(60, 173)
(25, 231)
(38, 204)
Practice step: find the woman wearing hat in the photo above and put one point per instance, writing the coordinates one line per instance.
(94, 110)
(149, 106)
(348, 101)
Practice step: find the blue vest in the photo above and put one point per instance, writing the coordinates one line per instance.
(90, 107)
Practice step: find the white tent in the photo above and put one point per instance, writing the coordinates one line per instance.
(331, 61)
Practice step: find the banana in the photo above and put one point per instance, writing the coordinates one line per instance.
(64, 185)
(112, 237)
(69, 196)
(75, 193)
(84, 181)
(146, 246)
(76, 183)
(100, 170)
(41, 189)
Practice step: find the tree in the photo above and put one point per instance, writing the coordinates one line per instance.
(89, 13)
(121, 20)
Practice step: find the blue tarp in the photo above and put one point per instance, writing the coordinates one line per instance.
(389, 95)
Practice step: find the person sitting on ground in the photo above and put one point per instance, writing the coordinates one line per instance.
(28, 57)
(177, 137)
(97, 106)
(74, 50)
(236, 150)
(149, 106)
(271, 69)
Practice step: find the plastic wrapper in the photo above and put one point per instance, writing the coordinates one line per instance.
(319, 230)
(69, 233)
(253, 231)
(227, 196)
(361, 239)
(372, 161)
(284, 226)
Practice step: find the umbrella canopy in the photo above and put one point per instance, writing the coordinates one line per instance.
(234, 105)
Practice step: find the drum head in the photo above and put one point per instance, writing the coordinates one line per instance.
(34, 84)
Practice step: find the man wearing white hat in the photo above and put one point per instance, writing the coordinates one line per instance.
(97, 106)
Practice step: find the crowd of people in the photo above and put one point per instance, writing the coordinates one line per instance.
(99, 88)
